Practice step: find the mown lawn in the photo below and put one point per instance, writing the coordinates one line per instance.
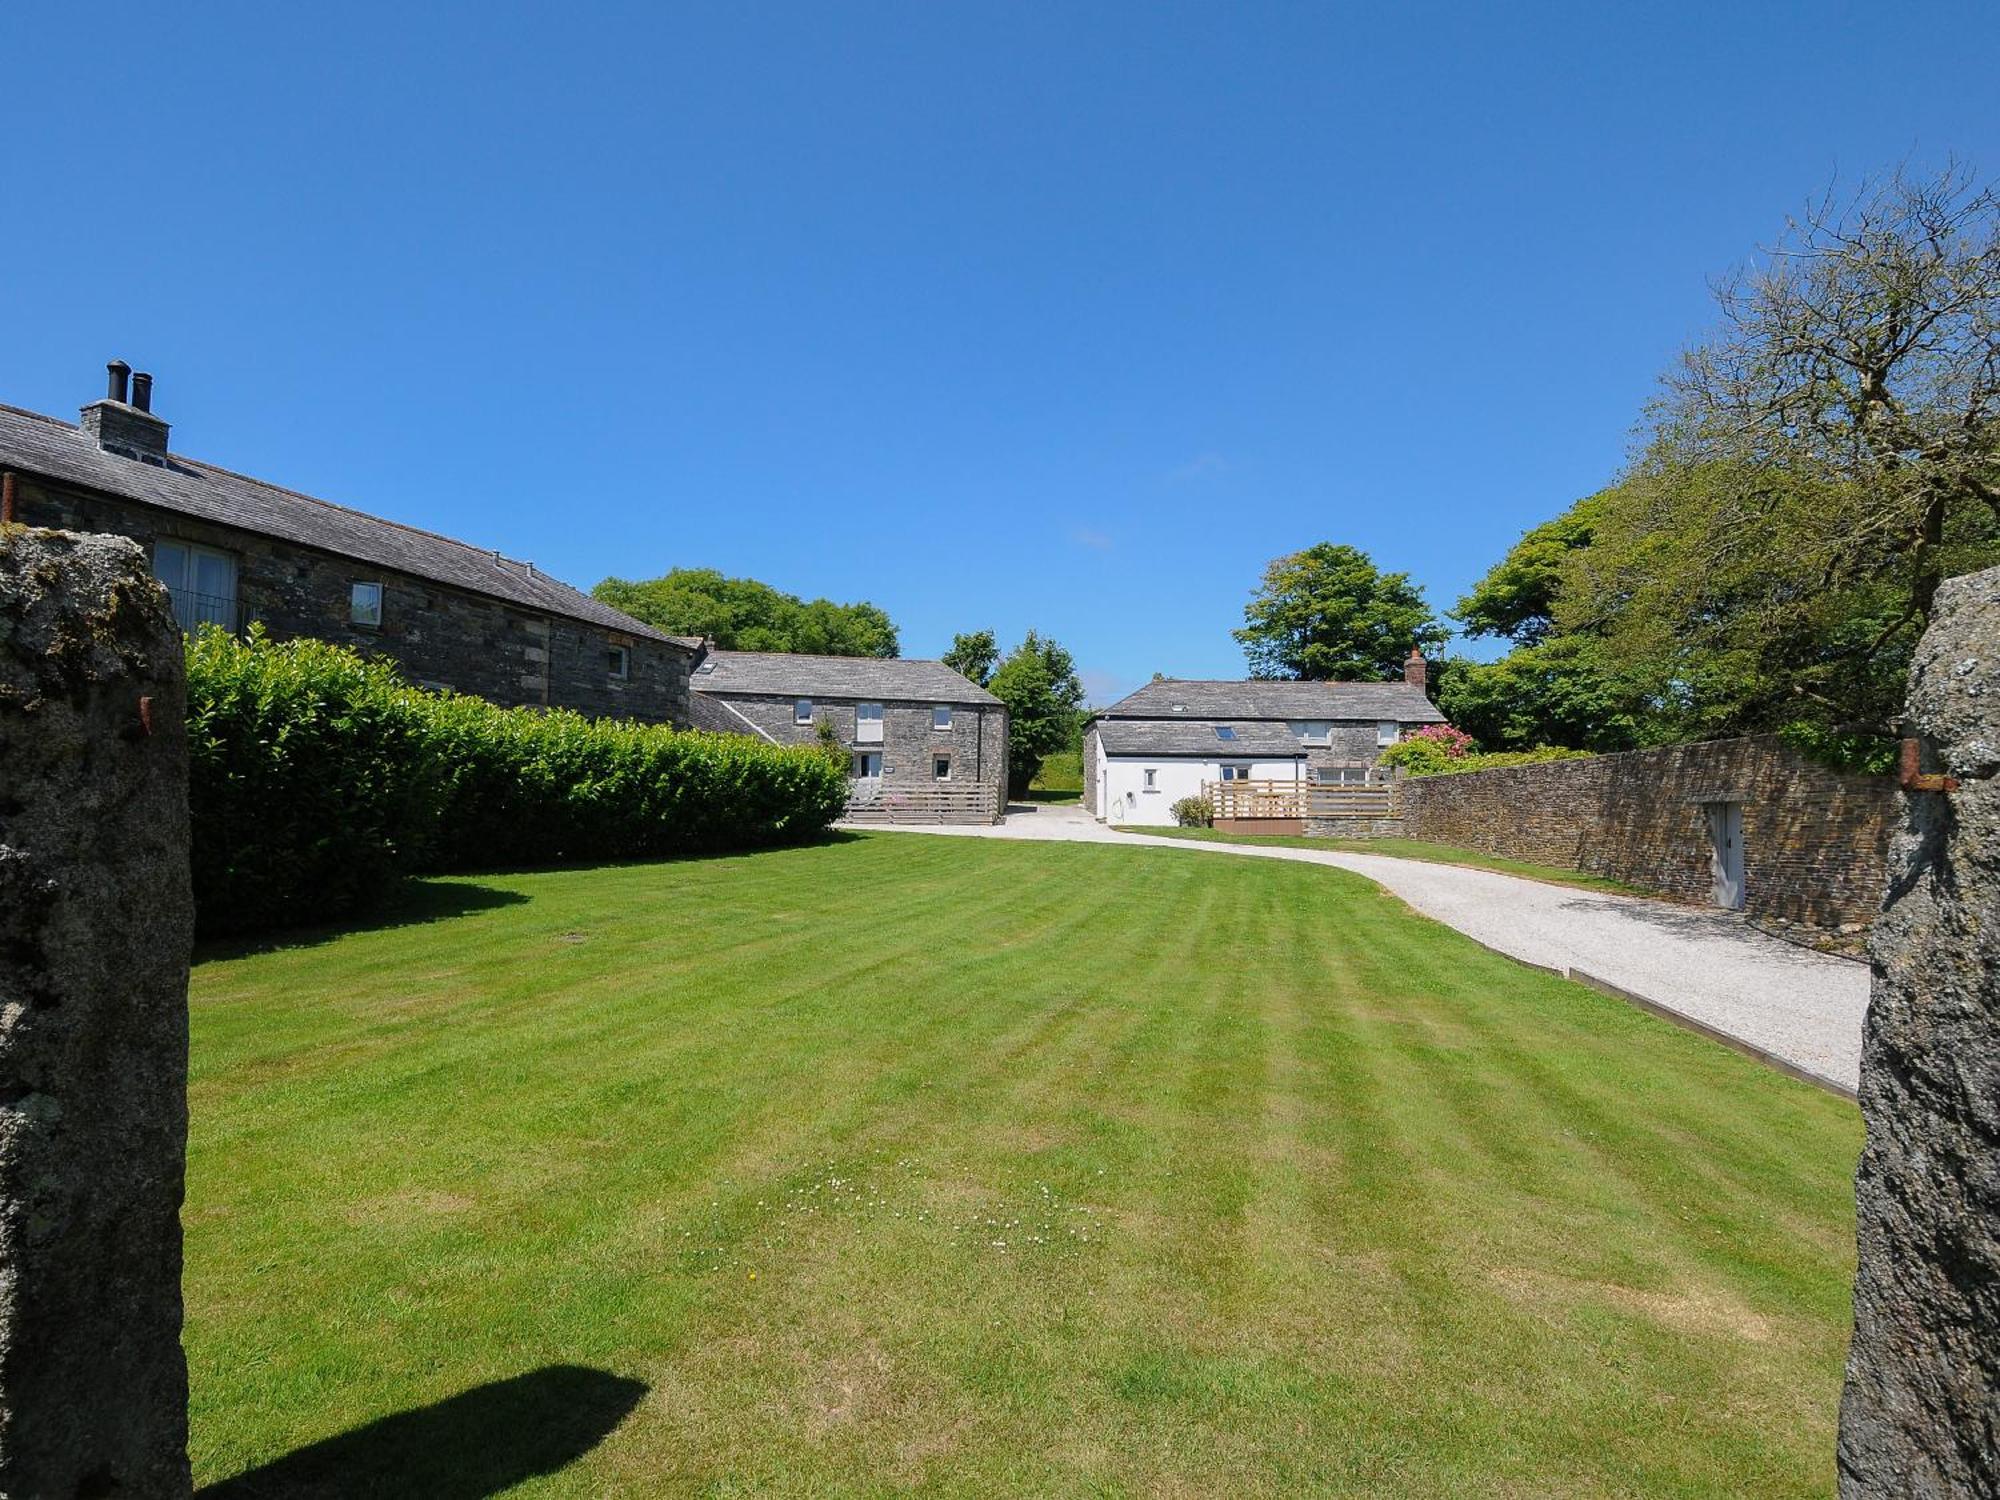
(1418, 849)
(988, 1168)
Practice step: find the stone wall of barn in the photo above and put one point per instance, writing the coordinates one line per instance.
(442, 637)
(976, 743)
(1815, 840)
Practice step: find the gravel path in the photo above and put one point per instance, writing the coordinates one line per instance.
(1800, 1008)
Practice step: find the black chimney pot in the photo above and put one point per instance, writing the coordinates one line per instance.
(142, 391)
(119, 371)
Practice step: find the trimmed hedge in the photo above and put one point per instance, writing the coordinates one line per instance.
(320, 778)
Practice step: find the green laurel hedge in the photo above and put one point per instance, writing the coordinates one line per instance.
(319, 778)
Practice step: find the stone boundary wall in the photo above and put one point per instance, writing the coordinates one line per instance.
(1815, 840)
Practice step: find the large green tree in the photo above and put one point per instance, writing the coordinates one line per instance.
(742, 614)
(1816, 467)
(973, 655)
(1810, 473)
(1044, 698)
(1328, 614)
(1554, 687)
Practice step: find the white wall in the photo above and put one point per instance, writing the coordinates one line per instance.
(1125, 798)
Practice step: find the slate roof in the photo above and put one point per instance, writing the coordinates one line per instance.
(1361, 702)
(866, 679)
(60, 451)
(717, 717)
(1254, 740)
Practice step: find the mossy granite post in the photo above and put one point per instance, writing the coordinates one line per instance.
(1921, 1413)
(95, 924)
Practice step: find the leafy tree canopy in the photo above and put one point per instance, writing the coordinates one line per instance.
(1809, 475)
(973, 655)
(1044, 698)
(1517, 598)
(741, 614)
(1557, 692)
(1327, 614)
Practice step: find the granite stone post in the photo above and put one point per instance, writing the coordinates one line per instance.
(1921, 1412)
(96, 919)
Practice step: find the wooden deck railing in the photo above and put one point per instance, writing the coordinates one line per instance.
(1298, 799)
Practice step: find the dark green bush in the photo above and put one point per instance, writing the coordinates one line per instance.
(311, 781)
(319, 778)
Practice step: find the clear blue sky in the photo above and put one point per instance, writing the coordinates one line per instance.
(1062, 315)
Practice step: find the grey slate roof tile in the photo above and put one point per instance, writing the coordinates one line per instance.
(866, 679)
(1253, 739)
(717, 717)
(61, 451)
(1363, 702)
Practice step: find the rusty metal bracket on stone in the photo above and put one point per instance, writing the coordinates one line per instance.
(1910, 779)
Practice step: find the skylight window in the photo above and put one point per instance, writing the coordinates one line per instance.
(1225, 732)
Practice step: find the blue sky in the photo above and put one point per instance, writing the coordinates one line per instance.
(1063, 315)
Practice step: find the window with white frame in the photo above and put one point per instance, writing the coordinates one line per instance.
(941, 718)
(867, 723)
(1151, 776)
(802, 711)
(364, 604)
(1235, 773)
(200, 581)
(1387, 732)
(941, 767)
(618, 662)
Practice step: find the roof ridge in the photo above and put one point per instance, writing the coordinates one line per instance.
(199, 471)
(287, 490)
(927, 661)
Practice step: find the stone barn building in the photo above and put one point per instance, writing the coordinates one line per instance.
(923, 743)
(233, 551)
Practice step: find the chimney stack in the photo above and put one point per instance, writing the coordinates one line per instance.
(124, 424)
(1415, 673)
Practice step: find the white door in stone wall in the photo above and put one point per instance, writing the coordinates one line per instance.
(1725, 839)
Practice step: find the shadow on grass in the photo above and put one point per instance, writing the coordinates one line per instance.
(422, 899)
(413, 904)
(477, 1443)
(1044, 794)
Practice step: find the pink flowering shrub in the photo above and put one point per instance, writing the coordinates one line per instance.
(1454, 742)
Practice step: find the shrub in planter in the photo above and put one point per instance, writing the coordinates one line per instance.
(1194, 812)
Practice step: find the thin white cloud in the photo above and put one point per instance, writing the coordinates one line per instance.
(1202, 466)
(1087, 536)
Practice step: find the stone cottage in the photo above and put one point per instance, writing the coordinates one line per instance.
(1169, 739)
(233, 551)
(923, 743)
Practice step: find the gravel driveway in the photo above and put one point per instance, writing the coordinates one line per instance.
(1799, 1007)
